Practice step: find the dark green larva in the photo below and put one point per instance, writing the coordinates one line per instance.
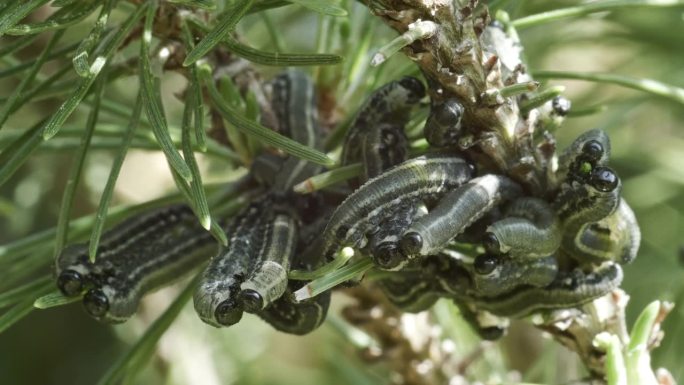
(294, 101)
(389, 106)
(567, 291)
(456, 211)
(426, 177)
(216, 297)
(614, 238)
(530, 230)
(581, 205)
(134, 258)
(589, 150)
(496, 275)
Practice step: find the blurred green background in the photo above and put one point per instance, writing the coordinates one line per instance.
(63, 345)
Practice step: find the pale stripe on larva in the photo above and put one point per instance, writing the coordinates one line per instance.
(496, 275)
(568, 290)
(454, 212)
(295, 105)
(268, 281)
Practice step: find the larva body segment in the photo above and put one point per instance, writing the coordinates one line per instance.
(531, 229)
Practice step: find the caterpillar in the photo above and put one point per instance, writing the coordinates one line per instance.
(531, 229)
(456, 211)
(134, 258)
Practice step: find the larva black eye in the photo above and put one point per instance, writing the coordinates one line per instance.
(411, 243)
(491, 243)
(449, 113)
(388, 256)
(415, 86)
(491, 333)
(604, 179)
(593, 150)
(228, 313)
(561, 105)
(485, 264)
(251, 300)
(96, 303)
(70, 283)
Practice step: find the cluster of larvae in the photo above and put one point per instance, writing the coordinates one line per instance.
(413, 214)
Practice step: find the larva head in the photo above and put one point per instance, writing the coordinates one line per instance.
(70, 283)
(414, 87)
(491, 243)
(561, 106)
(250, 300)
(411, 243)
(604, 179)
(96, 303)
(443, 126)
(485, 264)
(228, 312)
(388, 256)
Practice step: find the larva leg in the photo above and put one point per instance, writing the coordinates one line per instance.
(531, 230)
(456, 211)
(215, 298)
(268, 281)
(419, 178)
(123, 274)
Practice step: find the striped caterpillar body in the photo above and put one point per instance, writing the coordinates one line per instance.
(456, 211)
(294, 101)
(531, 229)
(268, 280)
(135, 257)
(426, 177)
(380, 121)
(216, 296)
